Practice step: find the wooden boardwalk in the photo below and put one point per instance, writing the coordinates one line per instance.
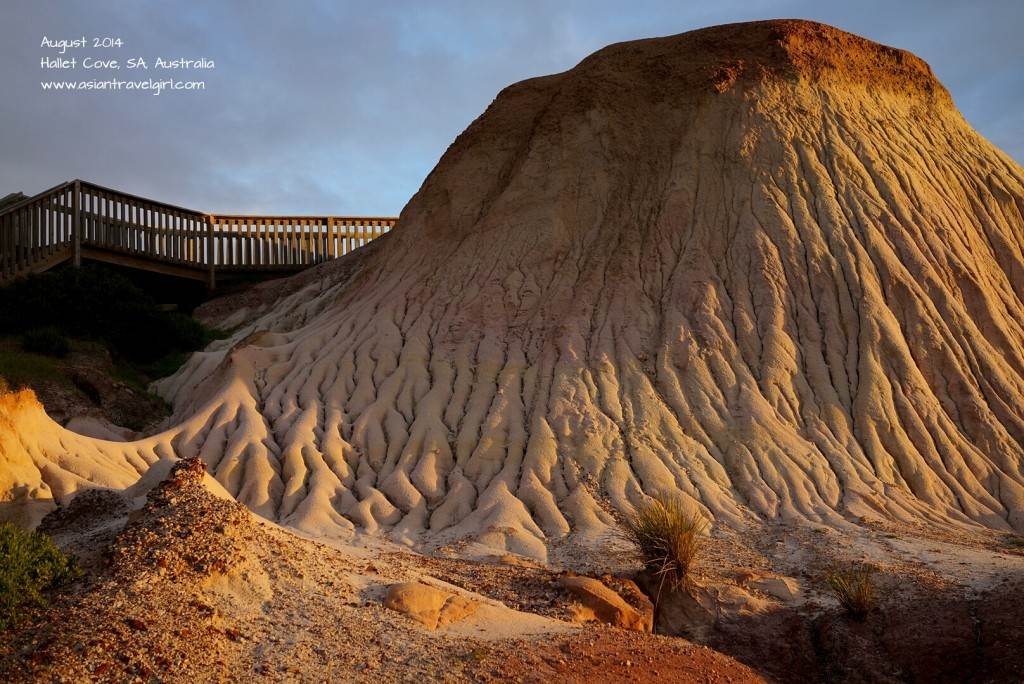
(77, 220)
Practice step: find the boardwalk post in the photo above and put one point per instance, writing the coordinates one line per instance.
(76, 224)
(211, 275)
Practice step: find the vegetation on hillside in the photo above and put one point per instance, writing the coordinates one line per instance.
(854, 588)
(62, 332)
(97, 303)
(31, 566)
(669, 536)
(46, 341)
(100, 305)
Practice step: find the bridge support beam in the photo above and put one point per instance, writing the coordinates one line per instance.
(211, 261)
(76, 225)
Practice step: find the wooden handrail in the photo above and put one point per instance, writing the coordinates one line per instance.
(138, 198)
(57, 224)
(308, 217)
(29, 200)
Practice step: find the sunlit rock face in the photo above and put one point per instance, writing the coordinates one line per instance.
(766, 266)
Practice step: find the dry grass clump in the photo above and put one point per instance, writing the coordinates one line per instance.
(854, 587)
(668, 534)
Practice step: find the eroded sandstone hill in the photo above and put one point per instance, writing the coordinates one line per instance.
(767, 266)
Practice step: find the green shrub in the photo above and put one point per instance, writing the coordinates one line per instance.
(20, 368)
(47, 341)
(669, 537)
(96, 303)
(30, 566)
(854, 587)
(1014, 542)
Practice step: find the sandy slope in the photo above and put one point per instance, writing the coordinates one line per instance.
(188, 586)
(767, 266)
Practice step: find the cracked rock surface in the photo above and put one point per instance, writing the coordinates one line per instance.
(768, 267)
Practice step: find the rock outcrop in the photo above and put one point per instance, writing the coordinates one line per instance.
(768, 267)
(597, 602)
(428, 605)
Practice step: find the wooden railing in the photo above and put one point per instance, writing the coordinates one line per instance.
(36, 230)
(77, 218)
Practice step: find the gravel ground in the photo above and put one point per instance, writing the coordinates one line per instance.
(194, 588)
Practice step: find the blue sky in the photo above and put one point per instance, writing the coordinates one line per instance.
(344, 107)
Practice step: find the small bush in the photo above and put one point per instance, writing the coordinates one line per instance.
(1014, 542)
(101, 304)
(854, 587)
(97, 305)
(46, 341)
(30, 566)
(668, 536)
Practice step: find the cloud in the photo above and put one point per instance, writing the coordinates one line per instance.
(344, 107)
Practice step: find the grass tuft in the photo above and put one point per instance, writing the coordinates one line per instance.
(854, 587)
(30, 566)
(47, 341)
(668, 535)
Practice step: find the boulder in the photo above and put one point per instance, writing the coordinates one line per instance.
(428, 605)
(598, 602)
(696, 609)
(785, 589)
(632, 594)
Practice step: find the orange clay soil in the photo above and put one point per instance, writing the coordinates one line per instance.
(609, 656)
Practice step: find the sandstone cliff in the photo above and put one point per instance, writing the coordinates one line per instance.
(767, 266)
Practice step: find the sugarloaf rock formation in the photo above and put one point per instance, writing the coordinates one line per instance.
(766, 266)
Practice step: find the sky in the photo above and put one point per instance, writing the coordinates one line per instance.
(343, 107)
